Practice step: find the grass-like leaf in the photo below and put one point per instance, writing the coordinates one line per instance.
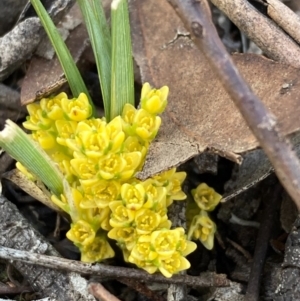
(122, 80)
(99, 35)
(22, 148)
(69, 67)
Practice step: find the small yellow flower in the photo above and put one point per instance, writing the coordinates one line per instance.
(99, 192)
(206, 197)
(111, 166)
(97, 251)
(115, 133)
(202, 228)
(133, 196)
(120, 216)
(66, 130)
(97, 218)
(165, 242)
(51, 107)
(126, 237)
(154, 101)
(81, 233)
(146, 221)
(155, 195)
(36, 121)
(84, 168)
(133, 161)
(77, 109)
(128, 113)
(173, 264)
(45, 139)
(174, 188)
(143, 250)
(146, 125)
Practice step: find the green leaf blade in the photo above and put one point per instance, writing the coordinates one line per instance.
(99, 34)
(69, 67)
(122, 84)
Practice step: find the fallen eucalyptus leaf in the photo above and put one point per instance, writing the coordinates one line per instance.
(200, 115)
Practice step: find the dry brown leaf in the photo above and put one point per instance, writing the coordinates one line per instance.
(200, 115)
(45, 76)
(37, 190)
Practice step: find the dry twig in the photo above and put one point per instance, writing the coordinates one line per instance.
(142, 288)
(54, 262)
(99, 291)
(262, 242)
(285, 18)
(197, 19)
(261, 30)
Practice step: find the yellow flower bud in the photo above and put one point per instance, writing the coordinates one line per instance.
(206, 197)
(202, 228)
(120, 216)
(128, 113)
(77, 109)
(133, 196)
(152, 100)
(61, 202)
(97, 251)
(81, 233)
(25, 172)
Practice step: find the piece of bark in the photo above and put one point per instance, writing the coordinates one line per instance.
(9, 13)
(16, 232)
(176, 213)
(19, 44)
(261, 30)
(289, 288)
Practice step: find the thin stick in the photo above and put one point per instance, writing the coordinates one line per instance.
(261, 30)
(109, 271)
(262, 242)
(285, 18)
(99, 291)
(143, 289)
(197, 19)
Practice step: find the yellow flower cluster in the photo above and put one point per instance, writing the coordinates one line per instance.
(201, 227)
(99, 160)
